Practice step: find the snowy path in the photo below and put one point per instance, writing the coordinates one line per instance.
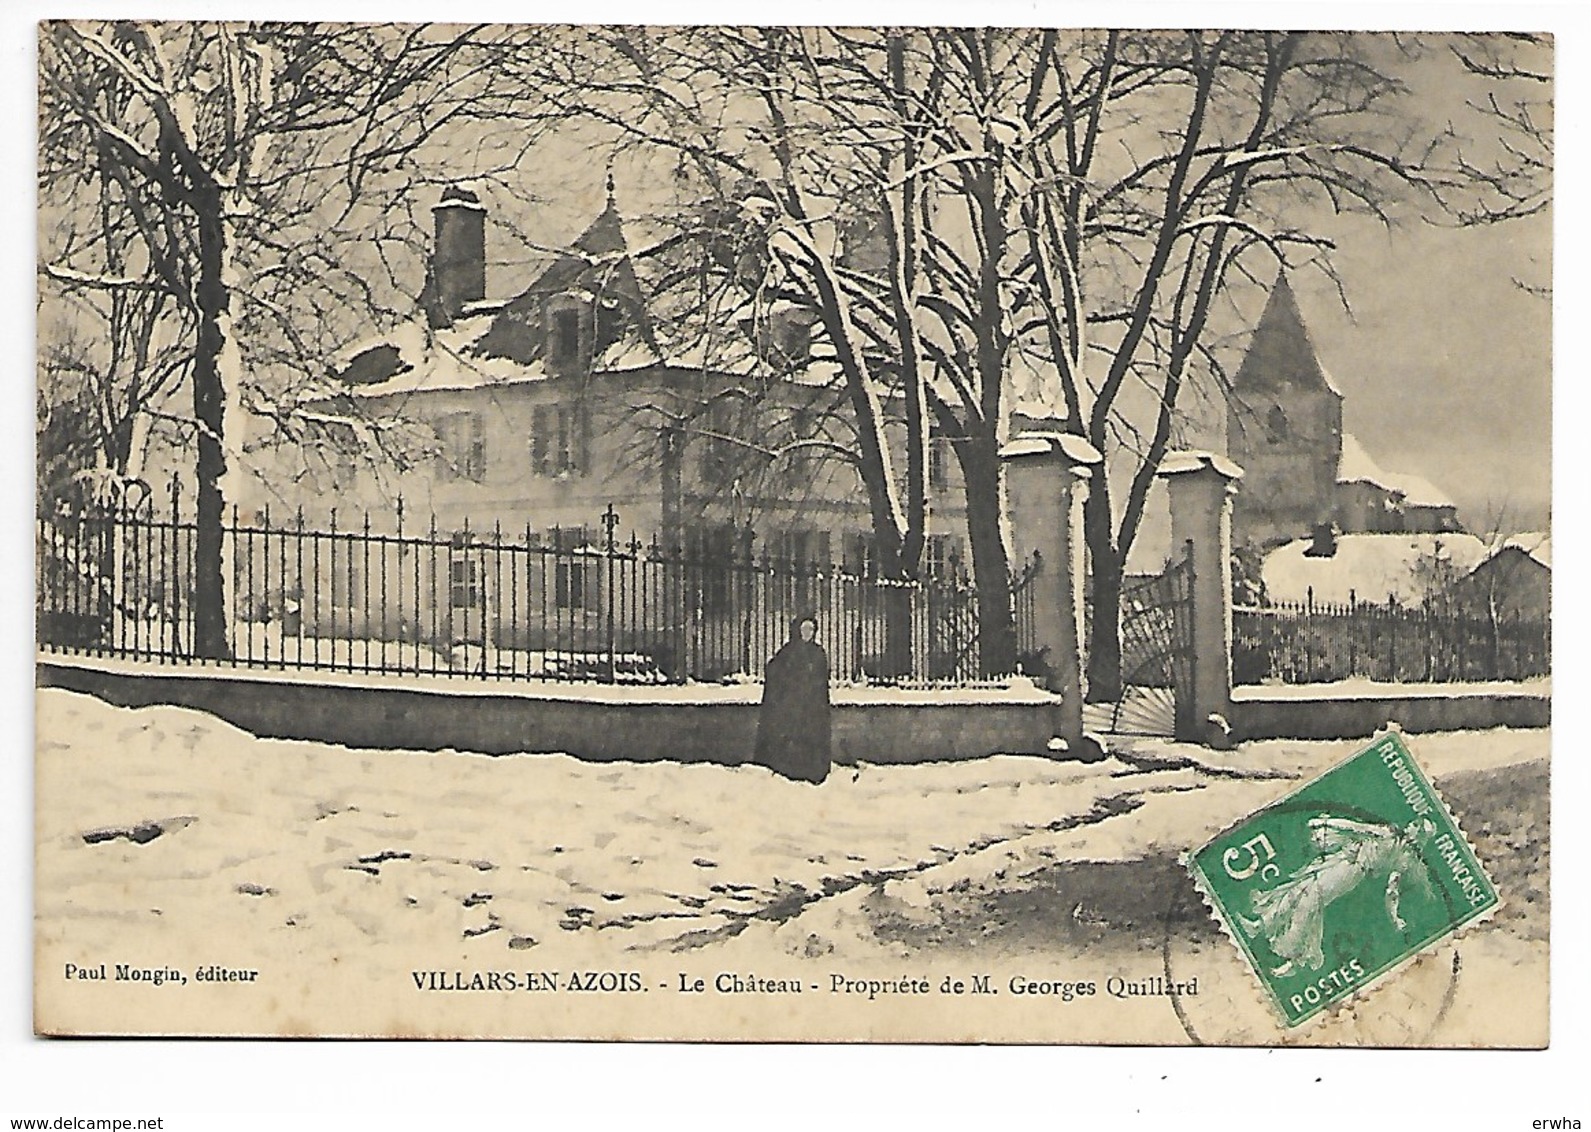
(281, 836)
(279, 840)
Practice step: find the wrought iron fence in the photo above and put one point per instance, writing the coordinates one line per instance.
(564, 604)
(1438, 641)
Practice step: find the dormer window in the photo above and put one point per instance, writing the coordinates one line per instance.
(563, 343)
(566, 338)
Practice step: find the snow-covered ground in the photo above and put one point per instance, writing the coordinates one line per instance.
(167, 837)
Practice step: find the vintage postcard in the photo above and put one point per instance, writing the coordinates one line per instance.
(848, 534)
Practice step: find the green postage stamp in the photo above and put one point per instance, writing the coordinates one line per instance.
(1341, 882)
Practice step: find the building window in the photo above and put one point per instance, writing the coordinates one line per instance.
(463, 440)
(802, 555)
(861, 555)
(709, 564)
(574, 574)
(560, 439)
(938, 461)
(802, 550)
(574, 584)
(464, 582)
(570, 538)
(942, 556)
(566, 330)
(1276, 425)
(464, 572)
(723, 459)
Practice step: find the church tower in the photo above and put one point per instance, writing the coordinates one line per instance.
(1284, 428)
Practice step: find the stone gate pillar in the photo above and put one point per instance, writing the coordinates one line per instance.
(1046, 480)
(1202, 485)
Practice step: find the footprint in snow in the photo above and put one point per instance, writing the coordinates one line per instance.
(141, 833)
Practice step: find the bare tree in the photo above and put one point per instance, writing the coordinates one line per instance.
(957, 213)
(241, 159)
(1185, 165)
(1492, 163)
(822, 147)
(1504, 172)
(960, 206)
(110, 331)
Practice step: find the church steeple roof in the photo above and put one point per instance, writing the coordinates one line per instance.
(1281, 354)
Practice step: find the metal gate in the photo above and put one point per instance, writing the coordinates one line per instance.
(1156, 651)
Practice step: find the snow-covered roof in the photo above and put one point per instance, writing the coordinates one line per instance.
(1370, 567)
(1325, 376)
(1418, 491)
(419, 358)
(1355, 465)
(1194, 460)
(1532, 544)
(445, 360)
(1037, 443)
(499, 342)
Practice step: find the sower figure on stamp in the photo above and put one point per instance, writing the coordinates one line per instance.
(1291, 917)
(793, 725)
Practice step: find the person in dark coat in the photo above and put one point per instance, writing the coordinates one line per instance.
(793, 724)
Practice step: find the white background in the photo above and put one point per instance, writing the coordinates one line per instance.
(237, 1085)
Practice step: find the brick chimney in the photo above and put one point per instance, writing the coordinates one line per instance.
(458, 258)
(1323, 541)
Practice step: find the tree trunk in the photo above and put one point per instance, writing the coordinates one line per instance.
(991, 565)
(1104, 630)
(209, 401)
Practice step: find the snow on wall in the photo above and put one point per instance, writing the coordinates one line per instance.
(589, 721)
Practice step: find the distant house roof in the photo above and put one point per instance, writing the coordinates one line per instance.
(1355, 465)
(1281, 352)
(1370, 567)
(1535, 545)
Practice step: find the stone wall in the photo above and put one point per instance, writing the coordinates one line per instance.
(1298, 715)
(511, 720)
